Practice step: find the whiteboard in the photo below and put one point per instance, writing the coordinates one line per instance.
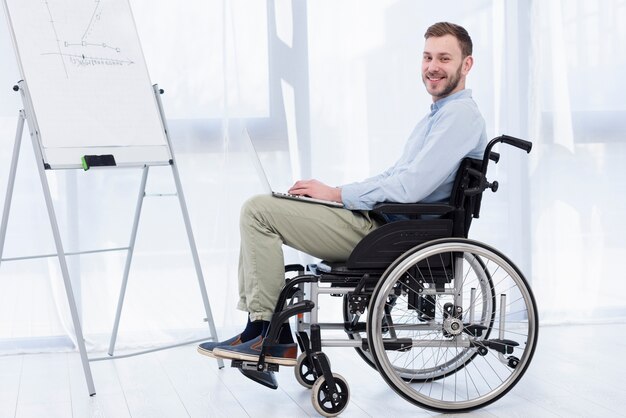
(87, 81)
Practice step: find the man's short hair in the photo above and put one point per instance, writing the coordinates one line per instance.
(445, 28)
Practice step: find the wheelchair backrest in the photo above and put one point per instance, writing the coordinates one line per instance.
(431, 220)
(466, 207)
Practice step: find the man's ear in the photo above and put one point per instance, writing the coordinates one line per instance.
(468, 62)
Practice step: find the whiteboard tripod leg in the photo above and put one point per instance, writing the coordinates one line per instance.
(11, 183)
(80, 341)
(196, 258)
(129, 257)
(185, 213)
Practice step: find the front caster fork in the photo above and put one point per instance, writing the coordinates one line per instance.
(317, 360)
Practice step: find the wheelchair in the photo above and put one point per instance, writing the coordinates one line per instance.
(450, 323)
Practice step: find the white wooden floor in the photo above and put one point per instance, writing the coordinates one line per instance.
(577, 371)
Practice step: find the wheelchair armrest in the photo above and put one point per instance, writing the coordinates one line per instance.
(413, 208)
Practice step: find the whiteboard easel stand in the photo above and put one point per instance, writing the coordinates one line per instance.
(28, 114)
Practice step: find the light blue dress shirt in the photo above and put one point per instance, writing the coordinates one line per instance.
(425, 172)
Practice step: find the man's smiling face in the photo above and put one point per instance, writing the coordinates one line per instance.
(443, 66)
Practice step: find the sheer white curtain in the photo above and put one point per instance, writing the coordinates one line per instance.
(190, 52)
(328, 89)
(576, 177)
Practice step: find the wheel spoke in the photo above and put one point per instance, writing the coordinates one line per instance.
(458, 276)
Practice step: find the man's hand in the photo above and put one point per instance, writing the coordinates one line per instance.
(316, 189)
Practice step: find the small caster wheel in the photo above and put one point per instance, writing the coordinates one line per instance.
(513, 362)
(325, 404)
(304, 371)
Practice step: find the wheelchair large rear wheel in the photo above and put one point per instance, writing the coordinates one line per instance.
(480, 339)
(487, 302)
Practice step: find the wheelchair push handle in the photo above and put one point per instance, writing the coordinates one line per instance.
(481, 175)
(510, 140)
(516, 142)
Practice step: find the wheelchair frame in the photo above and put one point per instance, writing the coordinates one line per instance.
(433, 299)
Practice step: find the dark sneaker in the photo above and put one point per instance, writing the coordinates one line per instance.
(207, 348)
(283, 354)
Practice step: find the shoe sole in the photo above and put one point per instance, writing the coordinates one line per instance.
(205, 352)
(249, 357)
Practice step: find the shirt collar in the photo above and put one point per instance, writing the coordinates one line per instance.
(463, 94)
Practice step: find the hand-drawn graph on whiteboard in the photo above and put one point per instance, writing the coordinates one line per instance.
(87, 80)
(91, 48)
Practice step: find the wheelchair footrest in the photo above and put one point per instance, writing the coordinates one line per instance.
(266, 379)
(251, 365)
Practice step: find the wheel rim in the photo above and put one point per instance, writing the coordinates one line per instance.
(446, 372)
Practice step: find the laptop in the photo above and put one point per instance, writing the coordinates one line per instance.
(266, 184)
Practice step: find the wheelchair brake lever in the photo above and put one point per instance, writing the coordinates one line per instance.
(483, 184)
(476, 190)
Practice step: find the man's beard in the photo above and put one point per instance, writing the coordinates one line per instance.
(453, 82)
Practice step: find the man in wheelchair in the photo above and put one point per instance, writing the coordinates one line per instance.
(426, 172)
(453, 129)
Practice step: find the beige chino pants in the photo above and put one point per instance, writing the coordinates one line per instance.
(266, 223)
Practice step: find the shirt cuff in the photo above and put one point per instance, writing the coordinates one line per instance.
(351, 197)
